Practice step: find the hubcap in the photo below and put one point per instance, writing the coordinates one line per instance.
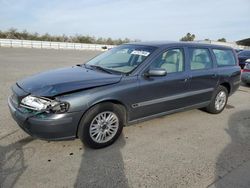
(104, 127)
(220, 100)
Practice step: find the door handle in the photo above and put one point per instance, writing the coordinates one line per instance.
(214, 75)
(187, 78)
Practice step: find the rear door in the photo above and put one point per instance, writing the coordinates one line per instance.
(203, 74)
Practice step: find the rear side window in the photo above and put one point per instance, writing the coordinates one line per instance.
(224, 57)
(200, 59)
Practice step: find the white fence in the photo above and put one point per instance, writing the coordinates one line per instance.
(14, 43)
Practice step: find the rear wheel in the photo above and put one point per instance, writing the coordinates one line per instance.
(101, 125)
(219, 100)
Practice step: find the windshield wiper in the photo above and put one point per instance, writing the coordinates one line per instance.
(101, 68)
(84, 65)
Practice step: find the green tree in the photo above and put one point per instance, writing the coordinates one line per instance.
(126, 40)
(24, 35)
(222, 40)
(13, 33)
(100, 40)
(188, 37)
(2, 34)
(45, 37)
(110, 41)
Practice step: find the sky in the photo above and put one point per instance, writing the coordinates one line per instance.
(146, 20)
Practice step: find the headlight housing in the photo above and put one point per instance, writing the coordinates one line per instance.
(248, 61)
(42, 104)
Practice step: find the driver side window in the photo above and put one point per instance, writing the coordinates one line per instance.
(171, 60)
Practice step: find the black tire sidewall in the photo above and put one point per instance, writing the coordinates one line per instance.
(83, 130)
(211, 108)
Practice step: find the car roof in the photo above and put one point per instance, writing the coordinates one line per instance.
(244, 52)
(160, 44)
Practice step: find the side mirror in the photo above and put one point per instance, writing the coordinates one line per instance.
(156, 72)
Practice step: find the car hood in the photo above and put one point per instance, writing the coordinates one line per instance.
(65, 80)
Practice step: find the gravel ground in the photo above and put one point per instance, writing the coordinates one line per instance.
(187, 149)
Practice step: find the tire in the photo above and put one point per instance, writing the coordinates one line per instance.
(212, 108)
(90, 125)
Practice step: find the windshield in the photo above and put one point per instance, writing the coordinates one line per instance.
(123, 59)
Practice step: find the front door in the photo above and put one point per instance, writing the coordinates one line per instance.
(159, 94)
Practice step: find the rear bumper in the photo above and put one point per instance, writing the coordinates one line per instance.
(48, 127)
(245, 77)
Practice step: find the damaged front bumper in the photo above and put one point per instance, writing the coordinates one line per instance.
(46, 126)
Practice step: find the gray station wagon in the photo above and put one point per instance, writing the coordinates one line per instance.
(127, 84)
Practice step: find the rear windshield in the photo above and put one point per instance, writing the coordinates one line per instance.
(224, 57)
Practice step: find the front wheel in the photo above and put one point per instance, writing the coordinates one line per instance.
(219, 100)
(101, 125)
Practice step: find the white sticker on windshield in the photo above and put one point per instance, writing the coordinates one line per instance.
(142, 53)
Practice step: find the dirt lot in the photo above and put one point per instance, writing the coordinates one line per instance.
(188, 149)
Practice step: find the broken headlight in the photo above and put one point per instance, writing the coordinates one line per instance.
(42, 104)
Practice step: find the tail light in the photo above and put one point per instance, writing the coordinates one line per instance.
(246, 68)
